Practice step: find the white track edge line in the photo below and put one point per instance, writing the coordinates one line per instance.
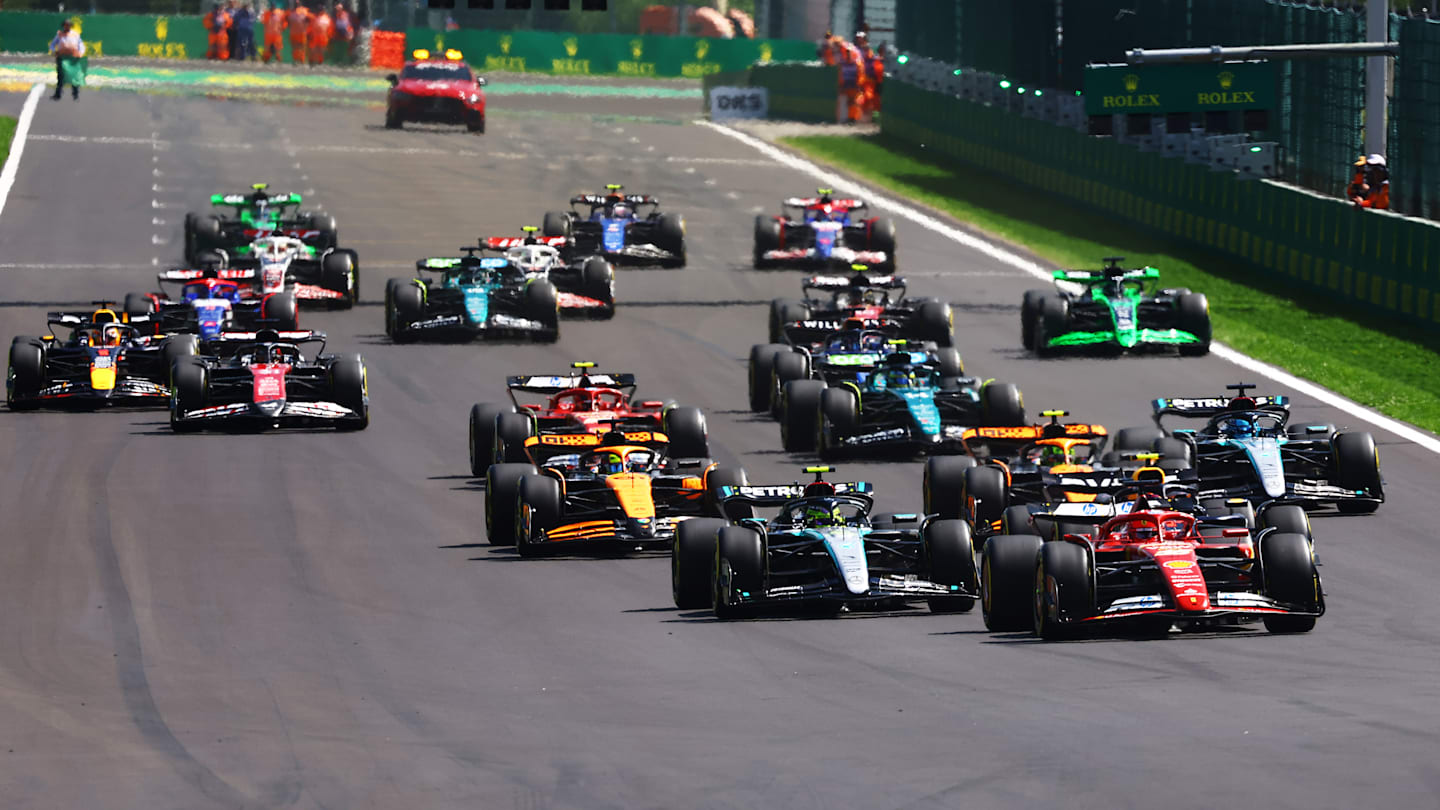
(17, 143)
(1245, 361)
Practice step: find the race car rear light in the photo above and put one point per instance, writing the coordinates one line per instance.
(1235, 533)
(651, 403)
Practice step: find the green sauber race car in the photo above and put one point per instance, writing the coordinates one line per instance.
(252, 216)
(1116, 309)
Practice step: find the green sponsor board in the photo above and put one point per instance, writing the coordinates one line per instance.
(107, 34)
(1163, 89)
(605, 54)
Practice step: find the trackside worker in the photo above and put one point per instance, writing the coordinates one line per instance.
(1376, 187)
(874, 72)
(217, 22)
(299, 24)
(852, 80)
(242, 32)
(318, 39)
(273, 23)
(345, 31)
(828, 50)
(68, 49)
(1357, 180)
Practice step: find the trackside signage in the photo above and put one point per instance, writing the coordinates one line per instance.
(739, 102)
(1162, 89)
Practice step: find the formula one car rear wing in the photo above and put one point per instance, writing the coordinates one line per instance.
(180, 275)
(861, 279)
(613, 196)
(1206, 407)
(258, 196)
(556, 383)
(986, 441)
(847, 203)
(231, 342)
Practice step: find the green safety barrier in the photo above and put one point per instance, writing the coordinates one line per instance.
(1379, 262)
(606, 54)
(107, 34)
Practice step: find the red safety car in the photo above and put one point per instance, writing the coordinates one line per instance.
(437, 90)
(1150, 566)
(583, 402)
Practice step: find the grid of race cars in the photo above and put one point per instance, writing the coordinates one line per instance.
(1057, 527)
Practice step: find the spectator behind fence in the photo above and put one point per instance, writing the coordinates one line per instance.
(1373, 187)
(272, 20)
(243, 30)
(217, 22)
(69, 49)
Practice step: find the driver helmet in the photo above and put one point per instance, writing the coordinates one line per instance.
(874, 296)
(110, 335)
(823, 514)
(620, 211)
(1143, 531)
(1050, 455)
(533, 259)
(1240, 427)
(609, 463)
(274, 250)
(900, 378)
(277, 354)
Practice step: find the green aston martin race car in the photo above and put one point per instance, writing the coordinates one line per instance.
(1116, 309)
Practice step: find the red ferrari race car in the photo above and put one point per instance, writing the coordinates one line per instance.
(583, 402)
(1153, 563)
(436, 90)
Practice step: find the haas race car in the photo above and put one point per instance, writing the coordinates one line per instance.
(279, 264)
(104, 358)
(253, 215)
(585, 283)
(583, 401)
(618, 490)
(212, 301)
(1149, 560)
(822, 548)
(615, 228)
(1249, 449)
(259, 380)
(824, 230)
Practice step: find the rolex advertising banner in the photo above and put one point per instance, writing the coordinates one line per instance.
(1162, 89)
(107, 34)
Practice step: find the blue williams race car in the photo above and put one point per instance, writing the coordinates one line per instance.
(906, 405)
(823, 548)
(614, 228)
(1248, 449)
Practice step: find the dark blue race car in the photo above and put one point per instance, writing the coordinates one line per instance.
(615, 228)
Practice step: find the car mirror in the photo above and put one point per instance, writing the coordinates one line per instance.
(481, 81)
(393, 79)
(904, 518)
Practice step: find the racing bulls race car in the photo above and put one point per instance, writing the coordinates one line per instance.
(264, 379)
(1114, 310)
(614, 228)
(824, 548)
(824, 230)
(286, 264)
(585, 283)
(904, 406)
(1140, 562)
(212, 301)
(1248, 449)
(617, 490)
(105, 359)
(580, 402)
(255, 215)
(877, 300)
(474, 296)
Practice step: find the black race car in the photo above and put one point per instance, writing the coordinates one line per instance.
(265, 379)
(615, 228)
(253, 215)
(212, 301)
(584, 281)
(105, 359)
(474, 296)
(877, 300)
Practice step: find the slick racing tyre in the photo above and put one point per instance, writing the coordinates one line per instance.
(1286, 519)
(782, 312)
(329, 235)
(483, 416)
(338, 272)
(1029, 313)
(511, 431)
(540, 508)
(935, 320)
(670, 236)
(556, 223)
(951, 556)
(739, 569)
(282, 309)
(1290, 578)
(502, 500)
(717, 478)
(944, 485)
(787, 366)
(177, 347)
(985, 492)
(1137, 439)
(1007, 575)
(688, 434)
(1192, 314)
(762, 364)
(1357, 468)
(189, 383)
(407, 306)
(350, 389)
(1002, 405)
(1062, 589)
(692, 563)
(207, 236)
(138, 304)
(950, 363)
(27, 372)
(1052, 321)
(799, 412)
(839, 415)
(882, 240)
(597, 281)
(767, 237)
(542, 303)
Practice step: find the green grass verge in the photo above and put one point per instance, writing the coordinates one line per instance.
(7, 131)
(1393, 369)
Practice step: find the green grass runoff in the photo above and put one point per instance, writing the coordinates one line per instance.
(1393, 369)
(7, 131)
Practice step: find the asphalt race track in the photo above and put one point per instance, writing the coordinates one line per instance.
(315, 620)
